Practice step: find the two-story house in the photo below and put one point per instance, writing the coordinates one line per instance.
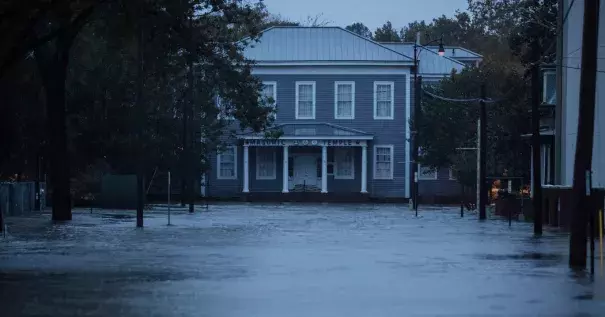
(343, 103)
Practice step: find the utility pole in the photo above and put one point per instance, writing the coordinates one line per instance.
(417, 113)
(140, 119)
(535, 144)
(188, 111)
(581, 199)
(414, 170)
(482, 155)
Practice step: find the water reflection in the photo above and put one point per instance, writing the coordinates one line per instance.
(288, 260)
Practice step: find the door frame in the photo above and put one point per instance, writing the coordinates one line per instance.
(291, 183)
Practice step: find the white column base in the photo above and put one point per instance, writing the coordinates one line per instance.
(364, 169)
(324, 169)
(246, 170)
(285, 169)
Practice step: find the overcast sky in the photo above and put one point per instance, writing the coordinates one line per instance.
(372, 13)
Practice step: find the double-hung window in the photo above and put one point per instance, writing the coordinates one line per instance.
(265, 163)
(426, 173)
(270, 95)
(384, 100)
(305, 100)
(549, 95)
(227, 163)
(383, 162)
(344, 163)
(224, 109)
(344, 100)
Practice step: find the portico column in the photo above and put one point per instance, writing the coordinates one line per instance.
(364, 169)
(246, 170)
(324, 169)
(285, 171)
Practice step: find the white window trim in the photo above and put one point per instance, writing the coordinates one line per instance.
(303, 83)
(273, 168)
(274, 84)
(425, 178)
(391, 147)
(451, 175)
(545, 86)
(392, 84)
(335, 166)
(221, 110)
(218, 164)
(339, 83)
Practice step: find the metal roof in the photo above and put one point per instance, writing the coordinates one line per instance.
(453, 51)
(430, 62)
(319, 44)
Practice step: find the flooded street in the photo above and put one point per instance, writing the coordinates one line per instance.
(289, 260)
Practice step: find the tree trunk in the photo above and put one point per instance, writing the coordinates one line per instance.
(52, 65)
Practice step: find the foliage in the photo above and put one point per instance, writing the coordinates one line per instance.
(103, 120)
(446, 126)
(360, 29)
(386, 33)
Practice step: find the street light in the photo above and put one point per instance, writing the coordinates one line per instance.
(417, 89)
(441, 50)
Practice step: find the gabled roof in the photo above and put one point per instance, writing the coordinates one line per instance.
(430, 62)
(319, 44)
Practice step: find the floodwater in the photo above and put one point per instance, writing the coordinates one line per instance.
(242, 260)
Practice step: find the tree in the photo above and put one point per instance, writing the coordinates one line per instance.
(445, 126)
(386, 33)
(89, 71)
(360, 29)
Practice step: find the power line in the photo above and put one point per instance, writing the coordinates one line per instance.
(579, 68)
(462, 100)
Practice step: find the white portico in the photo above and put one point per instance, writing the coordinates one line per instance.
(310, 154)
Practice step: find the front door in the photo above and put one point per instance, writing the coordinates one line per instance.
(305, 170)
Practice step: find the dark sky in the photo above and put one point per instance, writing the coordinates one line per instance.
(372, 13)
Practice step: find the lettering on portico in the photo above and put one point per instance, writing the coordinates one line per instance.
(304, 142)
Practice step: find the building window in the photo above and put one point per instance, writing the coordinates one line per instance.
(426, 173)
(344, 163)
(549, 95)
(384, 99)
(344, 100)
(452, 174)
(224, 110)
(227, 163)
(383, 162)
(270, 95)
(305, 100)
(265, 163)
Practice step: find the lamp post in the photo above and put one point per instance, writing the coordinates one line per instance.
(417, 93)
